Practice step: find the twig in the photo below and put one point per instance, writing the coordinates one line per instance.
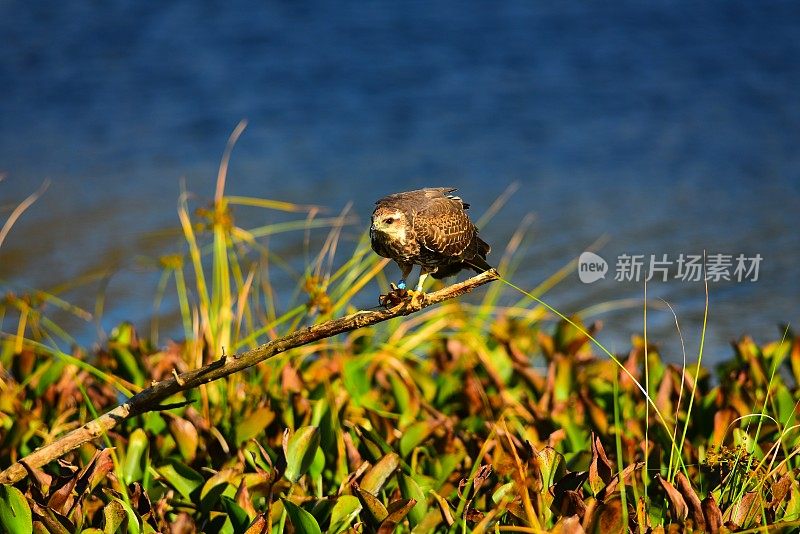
(151, 398)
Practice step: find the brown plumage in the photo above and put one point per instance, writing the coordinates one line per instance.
(429, 228)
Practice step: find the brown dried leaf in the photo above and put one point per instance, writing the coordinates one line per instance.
(42, 480)
(242, 498)
(664, 395)
(569, 525)
(290, 380)
(611, 487)
(712, 514)
(473, 515)
(398, 510)
(780, 490)
(568, 503)
(608, 517)
(692, 500)
(376, 509)
(744, 512)
(258, 526)
(722, 420)
(642, 517)
(484, 472)
(600, 470)
(63, 498)
(444, 508)
(95, 471)
(677, 504)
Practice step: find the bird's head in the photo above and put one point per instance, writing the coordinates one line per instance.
(391, 222)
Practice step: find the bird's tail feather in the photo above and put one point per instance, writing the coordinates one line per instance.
(478, 264)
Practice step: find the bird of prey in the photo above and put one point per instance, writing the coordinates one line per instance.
(430, 228)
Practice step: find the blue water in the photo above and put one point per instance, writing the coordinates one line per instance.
(670, 127)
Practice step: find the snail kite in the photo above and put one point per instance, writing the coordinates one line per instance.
(430, 228)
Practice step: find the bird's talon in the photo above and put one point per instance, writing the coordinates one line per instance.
(417, 298)
(394, 297)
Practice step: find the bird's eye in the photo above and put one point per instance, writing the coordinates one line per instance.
(389, 220)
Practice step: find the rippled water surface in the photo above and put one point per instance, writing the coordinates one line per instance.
(670, 127)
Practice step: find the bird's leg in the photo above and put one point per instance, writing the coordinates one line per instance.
(397, 293)
(417, 296)
(406, 270)
(423, 274)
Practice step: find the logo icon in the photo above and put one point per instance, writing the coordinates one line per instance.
(591, 267)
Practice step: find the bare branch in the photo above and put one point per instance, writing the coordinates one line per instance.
(151, 398)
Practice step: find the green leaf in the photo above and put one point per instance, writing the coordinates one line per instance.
(376, 477)
(355, 378)
(238, 516)
(503, 491)
(181, 477)
(409, 489)
(552, 465)
(303, 521)
(15, 514)
(185, 435)
(254, 424)
(375, 507)
(137, 445)
(406, 406)
(113, 516)
(133, 520)
(300, 450)
(344, 513)
(414, 435)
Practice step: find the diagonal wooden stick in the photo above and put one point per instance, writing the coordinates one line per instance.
(151, 398)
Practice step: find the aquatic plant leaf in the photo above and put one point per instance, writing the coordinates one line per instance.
(113, 517)
(300, 450)
(181, 477)
(611, 487)
(258, 526)
(15, 513)
(723, 418)
(138, 444)
(568, 525)
(712, 514)
(600, 469)
(371, 503)
(608, 517)
(552, 466)
(409, 489)
(237, 515)
(677, 504)
(444, 509)
(344, 513)
(302, 520)
(133, 526)
(780, 490)
(221, 483)
(414, 435)
(745, 511)
(254, 424)
(506, 490)
(186, 437)
(567, 503)
(397, 512)
(377, 476)
(692, 500)
(355, 379)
